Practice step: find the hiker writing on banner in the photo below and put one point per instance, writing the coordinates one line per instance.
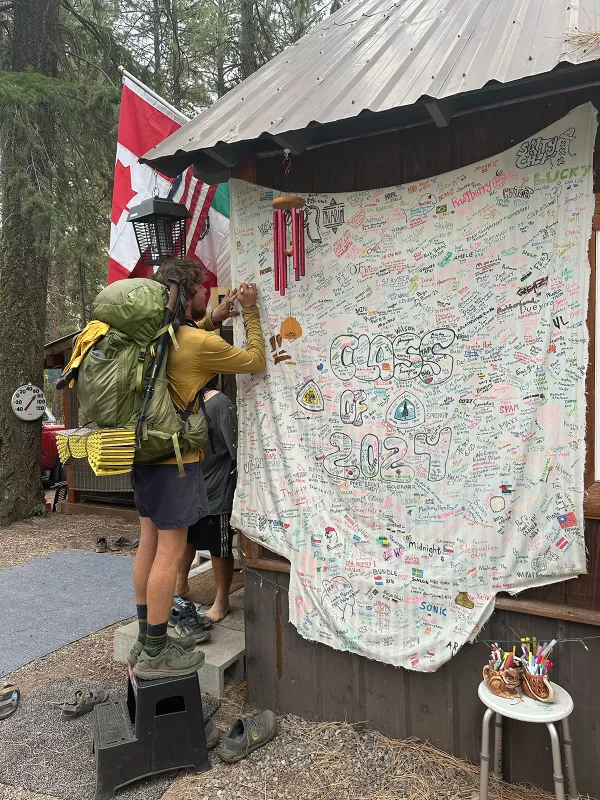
(166, 503)
(214, 532)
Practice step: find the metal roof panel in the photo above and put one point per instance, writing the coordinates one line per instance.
(375, 55)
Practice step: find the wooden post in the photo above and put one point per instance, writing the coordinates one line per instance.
(249, 550)
(71, 417)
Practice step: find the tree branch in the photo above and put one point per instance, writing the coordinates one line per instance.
(91, 27)
(71, 54)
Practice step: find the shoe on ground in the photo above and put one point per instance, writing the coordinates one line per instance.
(171, 662)
(212, 734)
(191, 627)
(186, 643)
(248, 734)
(124, 543)
(101, 545)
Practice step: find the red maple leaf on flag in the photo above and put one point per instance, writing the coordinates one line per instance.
(123, 192)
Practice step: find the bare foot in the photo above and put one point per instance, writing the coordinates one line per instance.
(217, 612)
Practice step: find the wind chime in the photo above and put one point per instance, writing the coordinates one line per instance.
(288, 222)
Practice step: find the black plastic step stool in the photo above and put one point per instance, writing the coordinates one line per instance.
(159, 727)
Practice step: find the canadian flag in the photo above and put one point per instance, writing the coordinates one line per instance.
(145, 120)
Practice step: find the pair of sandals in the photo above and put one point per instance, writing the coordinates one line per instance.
(84, 703)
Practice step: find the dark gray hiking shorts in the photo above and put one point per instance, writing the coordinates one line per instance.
(169, 500)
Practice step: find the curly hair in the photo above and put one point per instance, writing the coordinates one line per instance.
(188, 272)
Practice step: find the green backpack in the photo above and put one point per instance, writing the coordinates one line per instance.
(114, 373)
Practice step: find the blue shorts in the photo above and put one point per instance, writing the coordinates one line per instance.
(169, 500)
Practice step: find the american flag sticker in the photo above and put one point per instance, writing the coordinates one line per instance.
(568, 520)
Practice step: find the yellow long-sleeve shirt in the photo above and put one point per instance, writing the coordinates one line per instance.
(203, 353)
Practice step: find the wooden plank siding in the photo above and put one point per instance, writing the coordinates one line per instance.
(294, 676)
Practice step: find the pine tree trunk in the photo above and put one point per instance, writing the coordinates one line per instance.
(247, 39)
(25, 260)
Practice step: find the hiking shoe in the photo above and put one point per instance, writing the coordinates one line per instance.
(185, 604)
(100, 545)
(134, 653)
(212, 734)
(186, 643)
(181, 609)
(248, 734)
(171, 662)
(191, 626)
(124, 543)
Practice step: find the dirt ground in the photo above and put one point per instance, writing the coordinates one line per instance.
(40, 536)
(305, 761)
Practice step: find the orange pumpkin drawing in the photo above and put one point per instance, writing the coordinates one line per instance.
(290, 328)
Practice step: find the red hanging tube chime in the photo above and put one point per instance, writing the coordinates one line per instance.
(288, 212)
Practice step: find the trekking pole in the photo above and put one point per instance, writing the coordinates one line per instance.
(161, 348)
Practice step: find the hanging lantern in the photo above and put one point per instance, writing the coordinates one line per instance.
(160, 229)
(288, 212)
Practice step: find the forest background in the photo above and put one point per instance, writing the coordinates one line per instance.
(60, 88)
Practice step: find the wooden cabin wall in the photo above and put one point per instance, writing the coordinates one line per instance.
(417, 153)
(294, 676)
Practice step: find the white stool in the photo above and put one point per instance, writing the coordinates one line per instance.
(525, 709)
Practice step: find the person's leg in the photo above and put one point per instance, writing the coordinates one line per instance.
(182, 586)
(223, 572)
(142, 564)
(173, 504)
(144, 558)
(163, 575)
(221, 551)
(161, 586)
(161, 656)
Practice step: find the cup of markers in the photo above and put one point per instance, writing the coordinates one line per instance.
(507, 672)
(534, 673)
(502, 674)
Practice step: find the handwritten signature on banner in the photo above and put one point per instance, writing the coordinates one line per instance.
(416, 443)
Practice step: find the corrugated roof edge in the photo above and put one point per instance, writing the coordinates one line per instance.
(214, 164)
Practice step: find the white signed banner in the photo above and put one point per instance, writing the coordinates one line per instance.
(416, 444)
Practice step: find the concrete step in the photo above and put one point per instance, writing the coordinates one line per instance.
(225, 653)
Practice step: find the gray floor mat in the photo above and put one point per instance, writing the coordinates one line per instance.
(43, 754)
(60, 598)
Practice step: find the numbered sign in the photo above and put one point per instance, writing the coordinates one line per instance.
(28, 402)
